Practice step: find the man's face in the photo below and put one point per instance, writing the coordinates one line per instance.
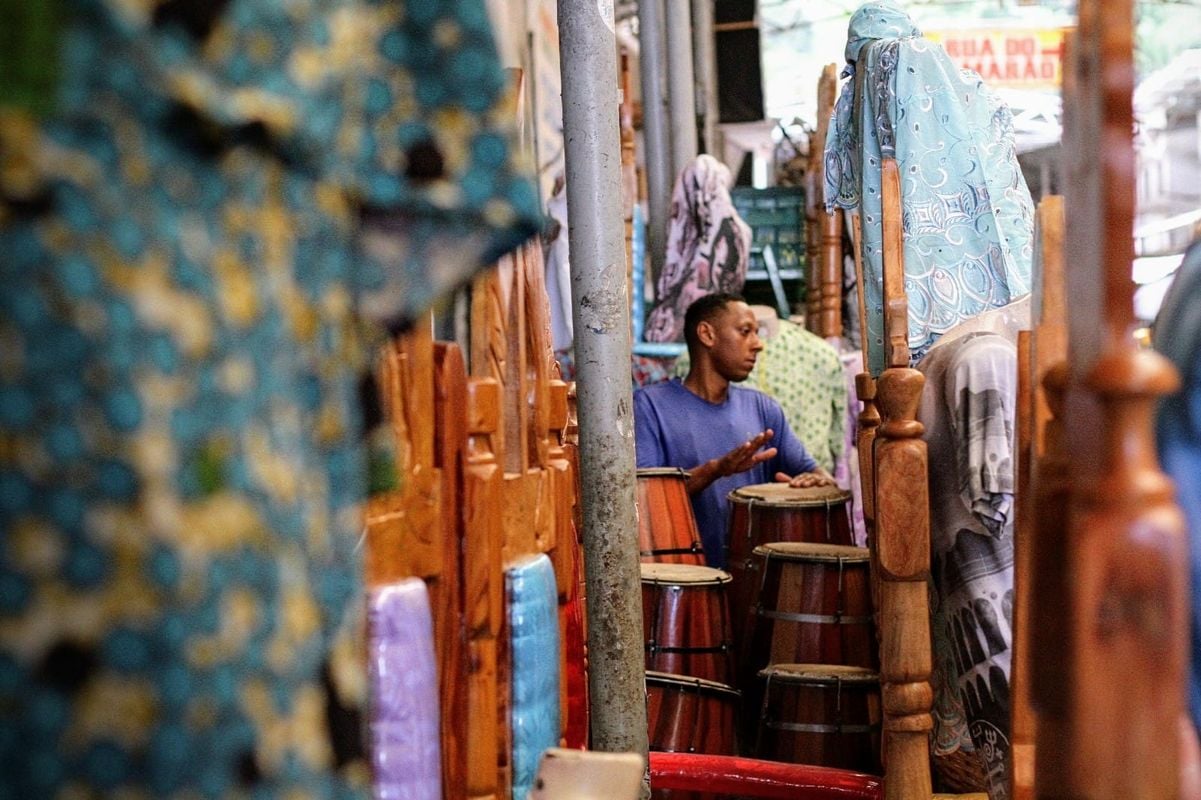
(736, 343)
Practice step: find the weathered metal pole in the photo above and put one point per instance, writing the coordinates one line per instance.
(705, 57)
(681, 86)
(600, 310)
(652, 58)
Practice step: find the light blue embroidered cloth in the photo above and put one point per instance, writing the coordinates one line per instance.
(967, 214)
(534, 625)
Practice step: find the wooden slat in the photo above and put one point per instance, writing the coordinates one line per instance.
(896, 303)
(450, 441)
(482, 583)
(829, 259)
(1021, 726)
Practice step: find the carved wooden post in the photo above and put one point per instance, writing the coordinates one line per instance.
(829, 260)
(902, 539)
(1109, 713)
(483, 586)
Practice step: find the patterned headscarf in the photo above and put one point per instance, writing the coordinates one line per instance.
(708, 245)
(968, 216)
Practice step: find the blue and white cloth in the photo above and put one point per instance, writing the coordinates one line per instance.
(967, 213)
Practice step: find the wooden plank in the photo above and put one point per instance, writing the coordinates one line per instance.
(483, 603)
(830, 225)
(1021, 725)
(450, 441)
(896, 303)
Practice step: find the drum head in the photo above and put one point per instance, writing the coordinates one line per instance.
(819, 673)
(781, 494)
(683, 575)
(809, 551)
(687, 683)
(662, 472)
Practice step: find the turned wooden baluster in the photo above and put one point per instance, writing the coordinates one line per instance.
(483, 588)
(902, 534)
(1042, 348)
(829, 259)
(1110, 704)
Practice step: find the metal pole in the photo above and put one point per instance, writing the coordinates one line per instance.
(652, 66)
(705, 56)
(600, 310)
(681, 87)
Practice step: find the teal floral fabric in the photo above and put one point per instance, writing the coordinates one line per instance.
(967, 214)
(197, 246)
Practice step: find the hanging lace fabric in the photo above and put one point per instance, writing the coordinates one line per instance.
(968, 216)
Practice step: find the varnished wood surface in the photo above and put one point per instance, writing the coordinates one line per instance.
(1109, 705)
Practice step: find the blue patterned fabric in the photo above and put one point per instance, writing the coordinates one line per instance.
(1178, 432)
(534, 628)
(967, 214)
(186, 276)
(405, 735)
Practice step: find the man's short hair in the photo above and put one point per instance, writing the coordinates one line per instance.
(705, 309)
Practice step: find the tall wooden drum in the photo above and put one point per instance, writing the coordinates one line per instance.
(813, 606)
(820, 714)
(690, 715)
(667, 531)
(686, 621)
(765, 513)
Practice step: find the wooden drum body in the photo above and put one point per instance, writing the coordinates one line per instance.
(820, 714)
(813, 606)
(686, 621)
(765, 513)
(667, 531)
(690, 715)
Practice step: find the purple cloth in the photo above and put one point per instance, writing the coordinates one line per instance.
(675, 428)
(404, 682)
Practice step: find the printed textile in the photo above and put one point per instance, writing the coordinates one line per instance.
(967, 214)
(1178, 432)
(193, 242)
(708, 246)
(803, 373)
(968, 409)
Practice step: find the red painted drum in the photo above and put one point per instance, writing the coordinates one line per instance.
(820, 714)
(813, 606)
(686, 621)
(667, 531)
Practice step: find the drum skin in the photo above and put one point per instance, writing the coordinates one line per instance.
(667, 531)
(689, 715)
(686, 621)
(820, 714)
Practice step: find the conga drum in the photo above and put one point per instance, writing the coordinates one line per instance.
(686, 621)
(813, 606)
(775, 512)
(667, 531)
(820, 714)
(690, 715)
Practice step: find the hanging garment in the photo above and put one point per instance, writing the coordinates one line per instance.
(846, 468)
(968, 410)
(186, 276)
(708, 246)
(1178, 431)
(968, 216)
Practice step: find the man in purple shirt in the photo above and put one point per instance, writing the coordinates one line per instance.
(725, 436)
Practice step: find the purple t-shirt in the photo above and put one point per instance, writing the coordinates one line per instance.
(675, 428)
